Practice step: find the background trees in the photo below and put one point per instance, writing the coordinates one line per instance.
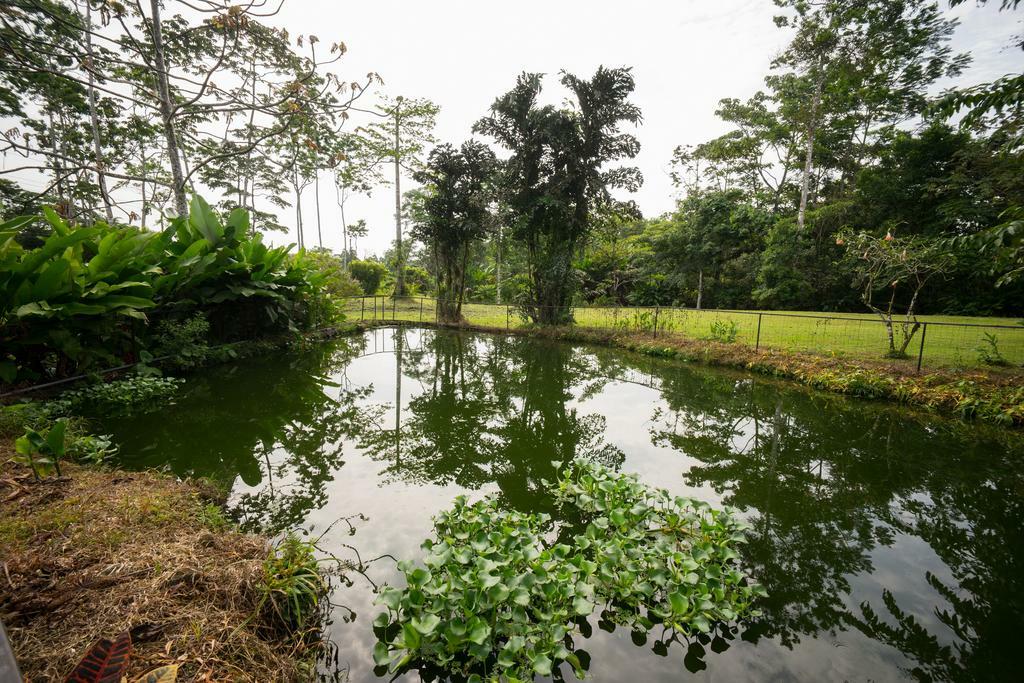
(157, 97)
(454, 215)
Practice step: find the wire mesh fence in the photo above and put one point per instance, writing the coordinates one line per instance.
(924, 342)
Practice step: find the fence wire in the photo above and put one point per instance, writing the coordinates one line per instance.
(920, 343)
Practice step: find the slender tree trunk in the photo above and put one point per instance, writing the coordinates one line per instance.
(700, 287)
(167, 111)
(399, 270)
(298, 208)
(72, 209)
(497, 269)
(344, 225)
(252, 206)
(101, 178)
(316, 195)
(812, 129)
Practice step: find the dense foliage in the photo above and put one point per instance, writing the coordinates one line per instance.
(556, 179)
(88, 296)
(502, 592)
(454, 215)
(844, 138)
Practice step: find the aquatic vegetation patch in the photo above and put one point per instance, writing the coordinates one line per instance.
(120, 396)
(501, 593)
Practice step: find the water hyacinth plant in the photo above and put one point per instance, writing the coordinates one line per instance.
(501, 593)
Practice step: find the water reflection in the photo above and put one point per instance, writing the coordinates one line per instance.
(891, 544)
(490, 411)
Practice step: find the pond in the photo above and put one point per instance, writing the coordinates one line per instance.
(891, 543)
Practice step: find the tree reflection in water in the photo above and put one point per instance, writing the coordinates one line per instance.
(491, 410)
(824, 493)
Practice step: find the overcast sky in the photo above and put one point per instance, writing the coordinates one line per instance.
(686, 56)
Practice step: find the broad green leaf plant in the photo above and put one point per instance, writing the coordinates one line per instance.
(85, 297)
(42, 450)
(501, 593)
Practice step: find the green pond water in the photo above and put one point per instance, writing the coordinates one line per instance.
(891, 543)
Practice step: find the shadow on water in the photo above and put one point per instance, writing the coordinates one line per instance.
(891, 544)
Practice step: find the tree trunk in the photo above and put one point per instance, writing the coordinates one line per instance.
(316, 196)
(167, 111)
(101, 178)
(399, 270)
(497, 269)
(298, 208)
(812, 129)
(344, 225)
(58, 168)
(700, 287)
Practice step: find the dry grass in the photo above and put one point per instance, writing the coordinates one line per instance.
(97, 553)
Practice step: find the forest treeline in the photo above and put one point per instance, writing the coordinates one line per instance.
(846, 142)
(850, 181)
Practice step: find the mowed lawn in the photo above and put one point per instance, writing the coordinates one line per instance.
(948, 341)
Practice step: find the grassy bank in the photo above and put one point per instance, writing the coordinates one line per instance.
(991, 396)
(950, 341)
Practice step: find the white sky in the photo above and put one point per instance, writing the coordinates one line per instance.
(686, 56)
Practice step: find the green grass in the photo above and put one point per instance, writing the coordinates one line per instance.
(950, 341)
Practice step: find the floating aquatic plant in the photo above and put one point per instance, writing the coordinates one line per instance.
(500, 593)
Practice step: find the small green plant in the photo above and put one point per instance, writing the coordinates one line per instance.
(988, 351)
(500, 594)
(94, 449)
(724, 331)
(42, 450)
(212, 517)
(292, 585)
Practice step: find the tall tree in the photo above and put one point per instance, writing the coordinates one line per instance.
(164, 69)
(401, 134)
(557, 178)
(454, 214)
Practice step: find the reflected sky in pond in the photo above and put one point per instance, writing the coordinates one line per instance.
(892, 544)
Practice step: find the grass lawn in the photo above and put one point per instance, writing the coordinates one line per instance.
(948, 341)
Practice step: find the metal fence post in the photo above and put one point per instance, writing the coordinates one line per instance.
(362, 308)
(421, 309)
(508, 316)
(920, 350)
(657, 309)
(394, 308)
(757, 344)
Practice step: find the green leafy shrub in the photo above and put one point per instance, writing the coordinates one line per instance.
(369, 274)
(81, 300)
(988, 351)
(418, 281)
(185, 341)
(94, 449)
(724, 331)
(500, 590)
